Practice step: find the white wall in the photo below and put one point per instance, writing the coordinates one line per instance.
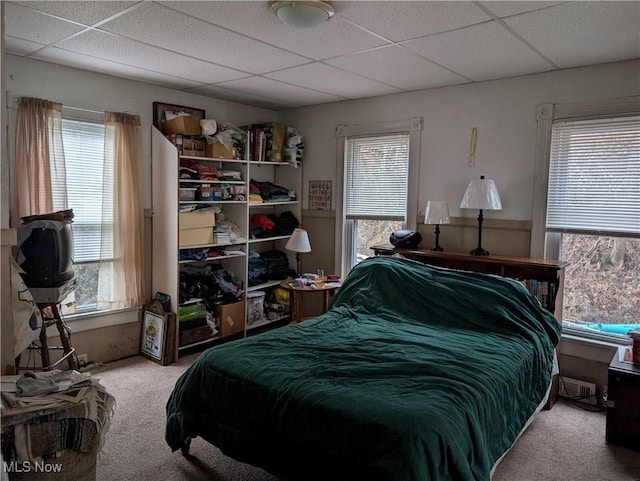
(504, 112)
(93, 91)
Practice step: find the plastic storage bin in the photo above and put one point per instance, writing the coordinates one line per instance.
(187, 193)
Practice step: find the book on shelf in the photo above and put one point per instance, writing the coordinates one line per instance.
(265, 141)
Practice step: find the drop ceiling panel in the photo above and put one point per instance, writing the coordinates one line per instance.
(241, 97)
(88, 13)
(397, 67)
(195, 44)
(279, 91)
(583, 33)
(330, 39)
(505, 9)
(465, 52)
(17, 46)
(160, 26)
(400, 20)
(343, 84)
(129, 52)
(34, 26)
(64, 57)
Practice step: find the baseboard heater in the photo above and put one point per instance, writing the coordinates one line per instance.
(578, 390)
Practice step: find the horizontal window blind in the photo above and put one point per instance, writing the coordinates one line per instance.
(377, 177)
(594, 176)
(89, 182)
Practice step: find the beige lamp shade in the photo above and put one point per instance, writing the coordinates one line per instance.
(437, 212)
(481, 194)
(299, 241)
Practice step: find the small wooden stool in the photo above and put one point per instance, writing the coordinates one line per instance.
(51, 316)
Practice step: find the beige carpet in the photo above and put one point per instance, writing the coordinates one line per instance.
(563, 444)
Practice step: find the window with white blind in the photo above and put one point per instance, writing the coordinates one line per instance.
(593, 222)
(377, 177)
(594, 177)
(376, 188)
(88, 168)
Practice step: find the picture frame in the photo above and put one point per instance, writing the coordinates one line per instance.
(154, 332)
(320, 195)
(159, 109)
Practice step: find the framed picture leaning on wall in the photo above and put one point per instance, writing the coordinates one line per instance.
(154, 333)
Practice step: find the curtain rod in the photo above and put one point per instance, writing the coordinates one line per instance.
(13, 99)
(80, 109)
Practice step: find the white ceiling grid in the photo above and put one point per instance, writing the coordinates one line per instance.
(240, 51)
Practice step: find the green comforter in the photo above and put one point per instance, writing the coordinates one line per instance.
(414, 374)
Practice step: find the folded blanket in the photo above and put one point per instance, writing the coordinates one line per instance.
(78, 426)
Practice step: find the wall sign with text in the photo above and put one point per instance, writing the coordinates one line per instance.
(320, 195)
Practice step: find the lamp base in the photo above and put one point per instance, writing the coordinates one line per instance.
(436, 246)
(479, 251)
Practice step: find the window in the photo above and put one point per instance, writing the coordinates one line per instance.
(593, 222)
(88, 167)
(376, 188)
(379, 181)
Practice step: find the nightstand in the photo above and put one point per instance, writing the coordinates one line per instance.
(623, 402)
(295, 297)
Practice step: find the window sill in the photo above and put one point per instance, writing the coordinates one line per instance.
(100, 319)
(592, 349)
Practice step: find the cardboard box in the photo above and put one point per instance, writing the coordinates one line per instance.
(193, 237)
(196, 219)
(184, 124)
(230, 318)
(217, 150)
(196, 334)
(192, 147)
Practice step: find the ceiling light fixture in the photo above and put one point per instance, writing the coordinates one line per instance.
(305, 14)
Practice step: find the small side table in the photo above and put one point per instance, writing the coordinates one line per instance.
(623, 402)
(295, 297)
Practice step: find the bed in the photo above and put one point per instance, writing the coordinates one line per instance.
(415, 373)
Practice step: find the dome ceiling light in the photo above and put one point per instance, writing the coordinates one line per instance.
(305, 14)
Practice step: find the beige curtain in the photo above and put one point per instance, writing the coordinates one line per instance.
(121, 280)
(39, 156)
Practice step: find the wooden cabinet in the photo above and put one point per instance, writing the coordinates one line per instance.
(172, 238)
(623, 402)
(545, 278)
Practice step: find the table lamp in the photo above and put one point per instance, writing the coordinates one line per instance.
(298, 243)
(481, 194)
(437, 212)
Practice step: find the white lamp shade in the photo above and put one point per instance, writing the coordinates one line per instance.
(299, 241)
(437, 212)
(303, 14)
(481, 194)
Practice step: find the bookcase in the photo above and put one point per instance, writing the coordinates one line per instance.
(544, 278)
(169, 242)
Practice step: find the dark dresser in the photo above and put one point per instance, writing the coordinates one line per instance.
(623, 402)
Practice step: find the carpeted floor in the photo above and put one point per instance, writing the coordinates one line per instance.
(564, 444)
